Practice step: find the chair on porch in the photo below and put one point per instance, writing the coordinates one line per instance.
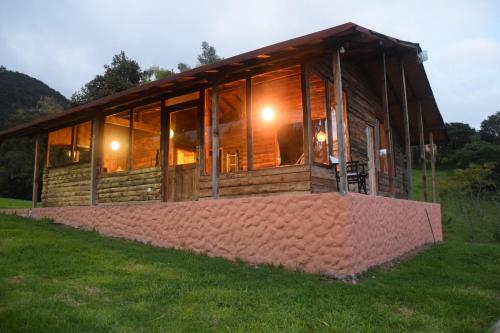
(356, 173)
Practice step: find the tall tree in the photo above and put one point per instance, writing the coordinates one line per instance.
(490, 128)
(121, 74)
(208, 54)
(182, 67)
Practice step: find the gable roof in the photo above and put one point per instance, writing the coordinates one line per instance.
(359, 42)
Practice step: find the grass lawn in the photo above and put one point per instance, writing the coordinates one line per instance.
(55, 278)
(14, 203)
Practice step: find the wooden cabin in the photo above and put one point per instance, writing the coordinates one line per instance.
(267, 122)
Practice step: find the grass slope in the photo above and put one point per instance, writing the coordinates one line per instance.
(58, 279)
(14, 203)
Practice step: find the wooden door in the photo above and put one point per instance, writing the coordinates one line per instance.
(372, 171)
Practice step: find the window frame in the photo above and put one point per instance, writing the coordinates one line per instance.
(73, 145)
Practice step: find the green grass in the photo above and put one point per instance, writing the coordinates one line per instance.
(58, 279)
(14, 203)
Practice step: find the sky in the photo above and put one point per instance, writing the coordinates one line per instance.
(66, 43)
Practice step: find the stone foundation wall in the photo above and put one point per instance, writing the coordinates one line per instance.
(317, 233)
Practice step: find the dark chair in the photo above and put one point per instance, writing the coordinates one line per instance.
(356, 174)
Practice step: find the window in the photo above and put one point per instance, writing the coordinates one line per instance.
(116, 142)
(183, 136)
(82, 140)
(70, 144)
(146, 129)
(277, 119)
(334, 124)
(232, 128)
(319, 133)
(383, 150)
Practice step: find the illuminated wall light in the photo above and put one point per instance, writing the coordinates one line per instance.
(171, 133)
(321, 136)
(268, 114)
(115, 145)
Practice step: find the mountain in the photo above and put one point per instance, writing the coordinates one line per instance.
(19, 91)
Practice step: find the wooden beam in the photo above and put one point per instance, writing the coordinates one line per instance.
(339, 113)
(406, 119)
(164, 148)
(329, 120)
(248, 110)
(36, 171)
(388, 128)
(422, 149)
(433, 166)
(215, 141)
(95, 157)
(306, 113)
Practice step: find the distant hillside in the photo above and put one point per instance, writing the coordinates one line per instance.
(21, 91)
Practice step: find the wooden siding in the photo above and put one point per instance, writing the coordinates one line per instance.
(129, 186)
(282, 180)
(323, 179)
(66, 185)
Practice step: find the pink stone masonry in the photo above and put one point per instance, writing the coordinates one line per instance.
(324, 233)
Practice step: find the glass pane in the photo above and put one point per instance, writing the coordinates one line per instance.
(319, 133)
(183, 137)
(232, 128)
(383, 149)
(116, 142)
(334, 124)
(277, 122)
(146, 130)
(60, 146)
(83, 134)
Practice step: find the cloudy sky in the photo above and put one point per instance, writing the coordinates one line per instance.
(66, 43)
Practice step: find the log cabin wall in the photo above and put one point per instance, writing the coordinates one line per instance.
(66, 185)
(129, 186)
(283, 180)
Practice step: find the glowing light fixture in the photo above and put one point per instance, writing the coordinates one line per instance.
(268, 114)
(321, 136)
(171, 133)
(115, 145)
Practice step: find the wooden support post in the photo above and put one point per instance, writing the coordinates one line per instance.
(95, 157)
(339, 114)
(248, 110)
(36, 171)
(433, 166)
(164, 148)
(329, 120)
(130, 139)
(409, 181)
(422, 150)
(215, 141)
(388, 130)
(306, 112)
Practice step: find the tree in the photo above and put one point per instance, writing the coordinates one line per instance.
(459, 134)
(156, 73)
(208, 54)
(182, 67)
(490, 128)
(123, 73)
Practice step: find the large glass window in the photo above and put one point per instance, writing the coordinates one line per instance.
(116, 142)
(60, 146)
(319, 133)
(277, 119)
(232, 128)
(334, 124)
(70, 144)
(82, 140)
(146, 129)
(183, 137)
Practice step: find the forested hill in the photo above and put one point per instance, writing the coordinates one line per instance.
(23, 93)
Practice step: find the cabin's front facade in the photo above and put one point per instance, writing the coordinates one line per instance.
(267, 122)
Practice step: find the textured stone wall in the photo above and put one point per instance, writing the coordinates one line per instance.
(317, 233)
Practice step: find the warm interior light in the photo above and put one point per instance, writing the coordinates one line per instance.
(171, 133)
(268, 114)
(115, 145)
(321, 136)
